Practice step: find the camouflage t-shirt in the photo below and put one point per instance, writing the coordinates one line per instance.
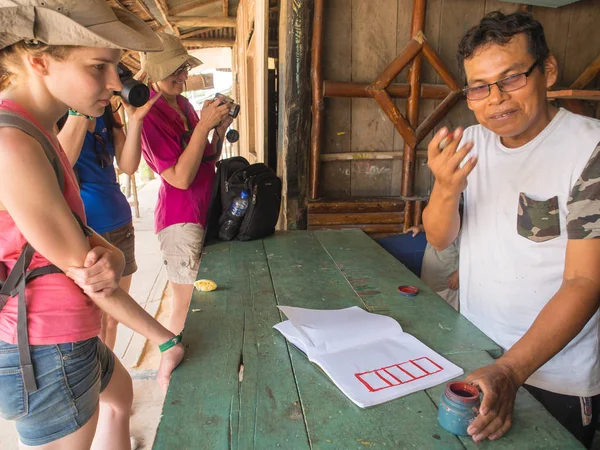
(583, 220)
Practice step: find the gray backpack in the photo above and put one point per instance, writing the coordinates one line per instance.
(19, 276)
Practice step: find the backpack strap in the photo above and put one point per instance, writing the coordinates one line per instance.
(14, 120)
(19, 276)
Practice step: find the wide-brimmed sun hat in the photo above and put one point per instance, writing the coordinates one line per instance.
(160, 65)
(86, 23)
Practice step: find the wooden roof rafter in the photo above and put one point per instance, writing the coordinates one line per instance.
(162, 7)
(191, 6)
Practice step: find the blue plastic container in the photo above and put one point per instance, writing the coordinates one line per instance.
(459, 405)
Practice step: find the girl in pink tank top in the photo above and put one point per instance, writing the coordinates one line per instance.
(56, 377)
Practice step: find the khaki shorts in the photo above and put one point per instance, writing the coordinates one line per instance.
(181, 247)
(124, 239)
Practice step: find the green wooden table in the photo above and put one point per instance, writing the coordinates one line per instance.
(280, 399)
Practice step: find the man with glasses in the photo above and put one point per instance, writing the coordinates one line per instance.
(529, 255)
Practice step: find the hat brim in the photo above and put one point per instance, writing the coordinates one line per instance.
(128, 32)
(161, 71)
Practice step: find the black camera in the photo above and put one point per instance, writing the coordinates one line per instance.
(234, 108)
(134, 92)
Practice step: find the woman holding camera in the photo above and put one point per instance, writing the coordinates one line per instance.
(62, 387)
(92, 145)
(176, 146)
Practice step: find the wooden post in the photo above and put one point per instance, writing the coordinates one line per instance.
(412, 115)
(294, 124)
(418, 212)
(317, 99)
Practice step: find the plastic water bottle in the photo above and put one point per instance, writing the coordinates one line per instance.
(230, 227)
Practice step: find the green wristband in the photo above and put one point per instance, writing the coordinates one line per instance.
(72, 112)
(170, 343)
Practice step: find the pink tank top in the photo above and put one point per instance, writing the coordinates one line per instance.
(57, 309)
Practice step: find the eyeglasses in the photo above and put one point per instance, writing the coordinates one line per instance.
(508, 84)
(103, 158)
(186, 67)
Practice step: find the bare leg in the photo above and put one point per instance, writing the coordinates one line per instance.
(80, 440)
(115, 409)
(108, 334)
(182, 295)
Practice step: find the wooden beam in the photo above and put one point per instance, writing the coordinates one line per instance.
(225, 8)
(386, 228)
(163, 10)
(438, 114)
(400, 123)
(189, 6)
(357, 205)
(587, 76)
(396, 90)
(202, 21)
(575, 94)
(440, 67)
(357, 156)
(317, 98)
(408, 53)
(190, 34)
(208, 43)
(362, 218)
(140, 4)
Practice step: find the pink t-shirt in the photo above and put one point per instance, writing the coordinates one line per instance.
(161, 147)
(57, 309)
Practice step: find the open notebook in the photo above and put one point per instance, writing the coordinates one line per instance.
(367, 356)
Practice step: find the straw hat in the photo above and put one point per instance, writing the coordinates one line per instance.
(88, 23)
(160, 65)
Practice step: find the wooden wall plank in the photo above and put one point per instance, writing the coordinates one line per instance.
(337, 117)
(556, 28)
(374, 47)
(371, 178)
(373, 204)
(374, 25)
(583, 40)
(457, 17)
(355, 218)
(337, 65)
(497, 5)
(335, 179)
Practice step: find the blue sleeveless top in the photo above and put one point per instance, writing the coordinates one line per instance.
(106, 207)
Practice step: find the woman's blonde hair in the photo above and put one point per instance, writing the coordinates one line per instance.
(11, 57)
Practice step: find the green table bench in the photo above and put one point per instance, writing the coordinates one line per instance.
(280, 399)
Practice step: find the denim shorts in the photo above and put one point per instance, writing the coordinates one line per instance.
(69, 377)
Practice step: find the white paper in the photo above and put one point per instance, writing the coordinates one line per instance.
(368, 356)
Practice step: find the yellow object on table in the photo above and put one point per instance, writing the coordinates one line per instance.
(205, 285)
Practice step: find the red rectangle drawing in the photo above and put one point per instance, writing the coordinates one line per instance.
(398, 374)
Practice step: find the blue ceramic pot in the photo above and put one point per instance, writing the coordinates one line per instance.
(459, 406)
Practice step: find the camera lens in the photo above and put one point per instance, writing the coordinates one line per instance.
(135, 93)
(232, 136)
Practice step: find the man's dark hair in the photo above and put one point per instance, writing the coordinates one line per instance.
(498, 28)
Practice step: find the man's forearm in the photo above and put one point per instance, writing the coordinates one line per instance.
(558, 323)
(440, 218)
